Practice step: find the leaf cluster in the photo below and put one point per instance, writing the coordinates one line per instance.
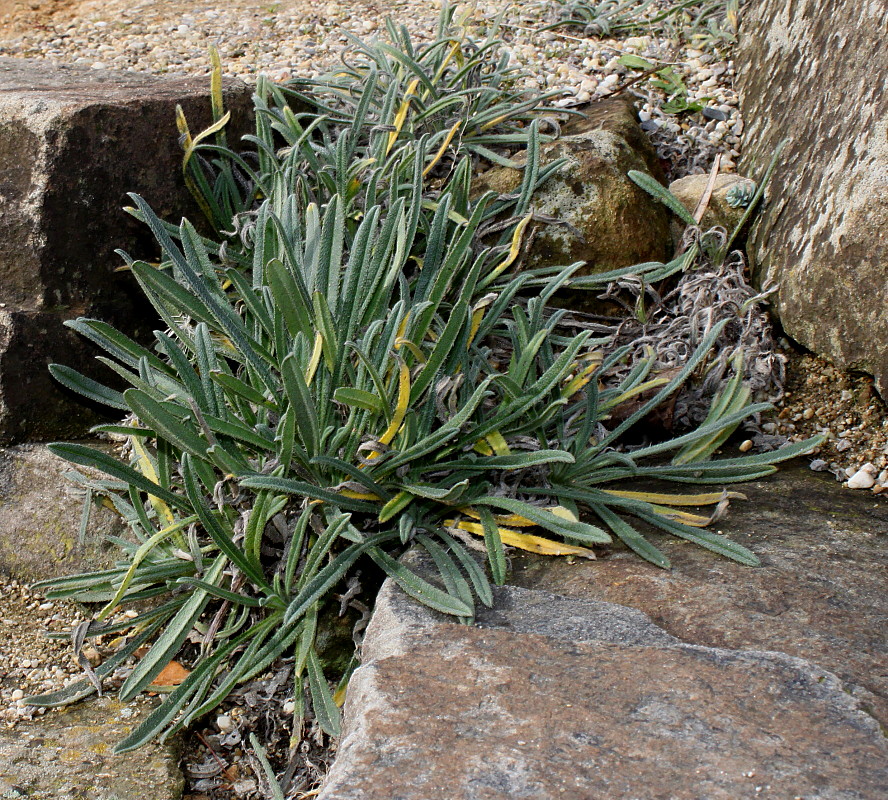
(353, 370)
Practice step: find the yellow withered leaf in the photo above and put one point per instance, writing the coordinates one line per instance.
(526, 541)
(401, 116)
(353, 495)
(694, 520)
(516, 521)
(400, 409)
(315, 358)
(498, 443)
(704, 499)
(147, 469)
(447, 140)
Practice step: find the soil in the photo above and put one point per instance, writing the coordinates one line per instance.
(821, 399)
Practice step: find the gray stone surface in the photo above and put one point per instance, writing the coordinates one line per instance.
(66, 755)
(73, 142)
(821, 592)
(593, 194)
(526, 710)
(40, 513)
(818, 79)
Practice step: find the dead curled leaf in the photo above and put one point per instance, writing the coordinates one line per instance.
(171, 675)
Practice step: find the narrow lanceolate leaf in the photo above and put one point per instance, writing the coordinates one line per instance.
(307, 425)
(661, 193)
(524, 541)
(165, 424)
(418, 588)
(325, 708)
(92, 390)
(400, 408)
(703, 499)
(220, 532)
(711, 541)
(494, 544)
(580, 531)
(630, 537)
(172, 638)
(304, 489)
(512, 461)
(87, 457)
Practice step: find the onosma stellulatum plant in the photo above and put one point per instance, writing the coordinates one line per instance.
(347, 368)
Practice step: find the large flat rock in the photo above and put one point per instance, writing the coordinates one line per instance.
(821, 592)
(586, 700)
(66, 755)
(823, 236)
(73, 142)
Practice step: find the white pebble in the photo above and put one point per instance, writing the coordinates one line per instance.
(862, 479)
(224, 723)
(17, 695)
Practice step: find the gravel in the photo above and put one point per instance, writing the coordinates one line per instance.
(30, 663)
(296, 38)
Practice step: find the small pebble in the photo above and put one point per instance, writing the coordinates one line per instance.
(862, 479)
(225, 723)
(746, 446)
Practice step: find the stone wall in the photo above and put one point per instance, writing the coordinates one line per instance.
(73, 142)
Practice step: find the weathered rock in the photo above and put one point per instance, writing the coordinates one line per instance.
(823, 235)
(73, 142)
(611, 222)
(589, 700)
(66, 755)
(33, 406)
(40, 514)
(821, 592)
(718, 212)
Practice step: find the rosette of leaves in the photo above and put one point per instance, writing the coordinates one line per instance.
(354, 132)
(359, 375)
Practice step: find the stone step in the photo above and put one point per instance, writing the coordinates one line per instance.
(555, 697)
(66, 755)
(821, 592)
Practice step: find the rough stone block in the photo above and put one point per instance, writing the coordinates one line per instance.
(40, 512)
(606, 220)
(617, 708)
(823, 236)
(821, 592)
(73, 142)
(33, 407)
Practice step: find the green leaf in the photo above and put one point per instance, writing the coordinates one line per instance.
(581, 531)
(630, 537)
(88, 457)
(92, 390)
(661, 193)
(495, 555)
(172, 638)
(418, 588)
(325, 709)
(165, 424)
